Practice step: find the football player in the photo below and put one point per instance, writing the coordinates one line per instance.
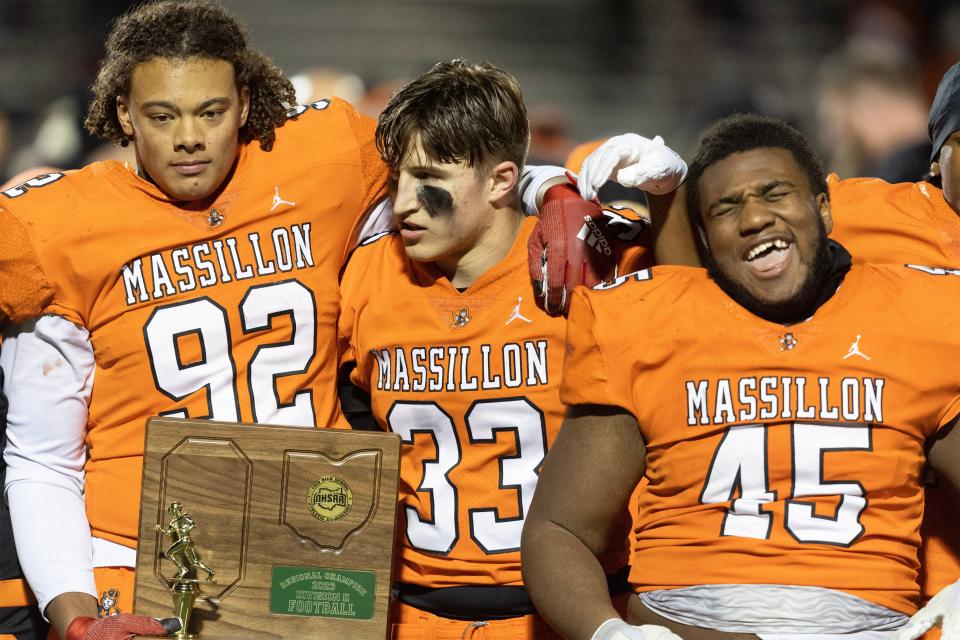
(202, 283)
(782, 405)
(439, 326)
(878, 222)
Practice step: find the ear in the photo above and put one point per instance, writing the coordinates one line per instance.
(502, 180)
(244, 104)
(823, 207)
(935, 168)
(123, 116)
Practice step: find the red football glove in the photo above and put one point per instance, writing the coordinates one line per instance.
(575, 242)
(119, 627)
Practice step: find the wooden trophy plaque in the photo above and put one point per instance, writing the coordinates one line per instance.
(297, 525)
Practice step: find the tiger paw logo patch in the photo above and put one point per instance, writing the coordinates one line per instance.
(329, 499)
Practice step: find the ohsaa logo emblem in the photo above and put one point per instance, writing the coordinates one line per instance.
(329, 499)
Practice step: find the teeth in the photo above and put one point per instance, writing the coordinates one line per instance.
(765, 246)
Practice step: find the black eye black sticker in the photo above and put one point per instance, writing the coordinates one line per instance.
(437, 201)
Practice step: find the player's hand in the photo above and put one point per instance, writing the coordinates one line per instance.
(576, 242)
(633, 161)
(942, 611)
(119, 627)
(617, 629)
(566, 249)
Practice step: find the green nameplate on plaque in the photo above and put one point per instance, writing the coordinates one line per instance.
(330, 593)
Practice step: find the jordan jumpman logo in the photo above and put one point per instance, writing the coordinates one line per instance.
(516, 315)
(277, 200)
(855, 350)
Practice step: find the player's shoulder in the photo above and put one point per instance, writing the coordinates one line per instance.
(655, 281)
(838, 185)
(918, 275)
(330, 107)
(329, 121)
(867, 193)
(42, 188)
(914, 285)
(62, 196)
(385, 246)
(912, 271)
(649, 291)
(374, 259)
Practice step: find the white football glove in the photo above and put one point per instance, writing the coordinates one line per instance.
(617, 629)
(633, 161)
(942, 611)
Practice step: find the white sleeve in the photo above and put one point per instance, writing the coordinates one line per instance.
(377, 220)
(48, 365)
(532, 180)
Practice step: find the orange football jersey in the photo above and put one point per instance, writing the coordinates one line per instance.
(228, 312)
(903, 223)
(470, 381)
(906, 223)
(775, 455)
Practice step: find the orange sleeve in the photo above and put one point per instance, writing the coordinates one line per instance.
(345, 351)
(585, 376)
(363, 268)
(25, 291)
(950, 413)
(373, 168)
(346, 320)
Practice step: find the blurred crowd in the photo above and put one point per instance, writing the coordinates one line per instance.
(865, 105)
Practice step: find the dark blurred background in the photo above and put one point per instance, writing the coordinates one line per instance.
(857, 77)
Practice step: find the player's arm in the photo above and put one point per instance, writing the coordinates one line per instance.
(353, 394)
(649, 165)
(943, 610)
(565, 249)
(535, 184)
(49, 366)
(49, 369)
(355, 401)
(588, 475)
(18, 613)
(673, 239)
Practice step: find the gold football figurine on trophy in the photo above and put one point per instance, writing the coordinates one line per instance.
(183, 554)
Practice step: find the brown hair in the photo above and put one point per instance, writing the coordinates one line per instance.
(180, 29)
(463, 112)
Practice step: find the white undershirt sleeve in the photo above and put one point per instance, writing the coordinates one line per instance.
(532, 180)
(377, 220)
(48, 365)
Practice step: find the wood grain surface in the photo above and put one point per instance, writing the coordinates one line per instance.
(250, 489)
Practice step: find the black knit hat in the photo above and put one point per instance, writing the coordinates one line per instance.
(945, 111)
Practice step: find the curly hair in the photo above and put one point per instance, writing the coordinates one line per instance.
(462, 111)
(180, 29)
(745, 132)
